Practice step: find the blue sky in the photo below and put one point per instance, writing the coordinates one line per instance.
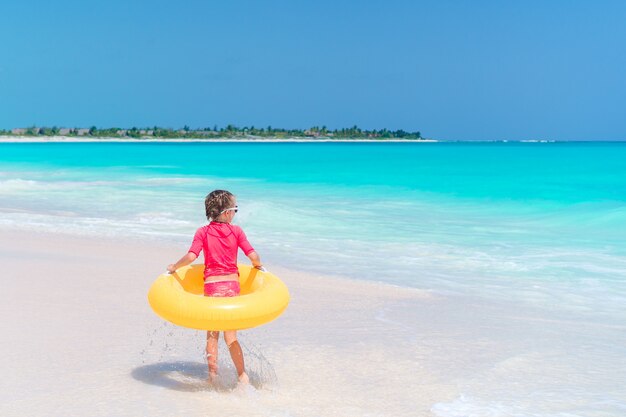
(450, 69)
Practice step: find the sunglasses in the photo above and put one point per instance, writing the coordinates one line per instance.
(235, 209)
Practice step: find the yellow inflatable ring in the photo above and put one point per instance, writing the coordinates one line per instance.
(179, 298)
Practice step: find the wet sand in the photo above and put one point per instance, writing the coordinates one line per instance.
(80, 339)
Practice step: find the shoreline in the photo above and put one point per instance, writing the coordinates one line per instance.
(73, 139)
(177, 248)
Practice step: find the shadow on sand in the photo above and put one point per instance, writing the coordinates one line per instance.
(177, 376)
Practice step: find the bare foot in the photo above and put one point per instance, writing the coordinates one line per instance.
(243, 378)
(212, 379)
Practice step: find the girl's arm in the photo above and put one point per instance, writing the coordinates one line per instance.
(255, 259)
(184, 261)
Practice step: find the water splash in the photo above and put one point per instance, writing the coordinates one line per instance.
(175, 357)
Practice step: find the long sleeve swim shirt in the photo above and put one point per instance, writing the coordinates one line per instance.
(220, 242)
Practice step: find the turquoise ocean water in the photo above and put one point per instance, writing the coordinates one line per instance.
(538, 222)
(537, 227)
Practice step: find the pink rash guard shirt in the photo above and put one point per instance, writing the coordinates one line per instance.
(220, 242)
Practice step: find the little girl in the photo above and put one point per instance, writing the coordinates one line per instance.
(220, 240)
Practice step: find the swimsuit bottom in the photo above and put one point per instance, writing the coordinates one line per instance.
(221, 288)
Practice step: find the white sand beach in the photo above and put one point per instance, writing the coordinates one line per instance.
(74, 139)
(80, 339)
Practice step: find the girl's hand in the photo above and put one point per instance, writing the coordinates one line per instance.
(260, 268)
(184, 261)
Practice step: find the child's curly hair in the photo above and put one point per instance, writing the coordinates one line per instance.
(216, 202)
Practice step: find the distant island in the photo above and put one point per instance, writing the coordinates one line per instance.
(228, 132)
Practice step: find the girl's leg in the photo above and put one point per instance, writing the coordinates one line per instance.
(211, 352)
(236, 354)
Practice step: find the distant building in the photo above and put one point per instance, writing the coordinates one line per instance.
(29, 131)
(121, 132)
(82, 132)
(64, 131)
(18, 131)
